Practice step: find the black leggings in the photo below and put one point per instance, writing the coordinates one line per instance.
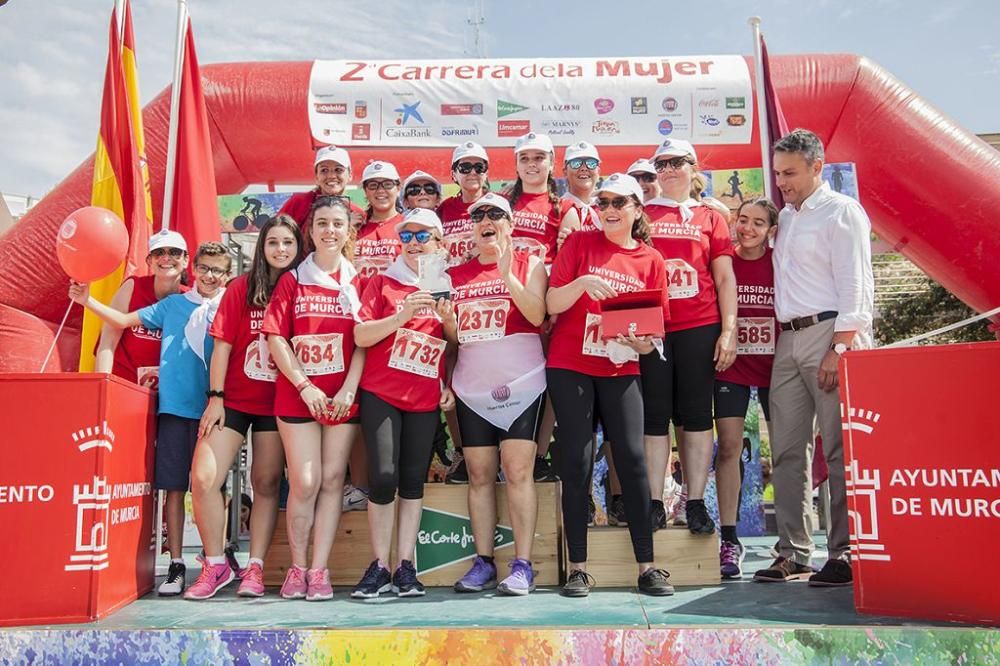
(682, 386)
(620, 400)
(390, 464)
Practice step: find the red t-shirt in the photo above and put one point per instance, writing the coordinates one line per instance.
(299, 204)
(405, 367)
(138, 347)
(587, 213)
(576, 342)
(321, 333)
(457, 223)
(249, 383)
(377, 245)
(483, 303)
(536, 223)
(756, 327)
(688, 249)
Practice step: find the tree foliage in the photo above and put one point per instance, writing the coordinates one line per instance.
(934, 308)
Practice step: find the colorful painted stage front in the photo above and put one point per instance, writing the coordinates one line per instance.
(734, 623)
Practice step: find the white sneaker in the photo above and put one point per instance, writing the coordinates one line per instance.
(679, 513)
(174, 584)
(355, 499)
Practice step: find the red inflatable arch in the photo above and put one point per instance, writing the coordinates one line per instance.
(930, 187)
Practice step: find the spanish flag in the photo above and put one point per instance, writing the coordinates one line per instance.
(121, 178)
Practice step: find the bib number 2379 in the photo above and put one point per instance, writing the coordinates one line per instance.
(416, 352)
(482, 320)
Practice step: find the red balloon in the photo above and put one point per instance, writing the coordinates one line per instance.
(91, 243)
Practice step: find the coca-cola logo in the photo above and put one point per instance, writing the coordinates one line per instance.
(709, 103)
(501, 393)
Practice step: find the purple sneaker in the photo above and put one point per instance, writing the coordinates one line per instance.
(731, 560)
(521, 580)
(482, 576)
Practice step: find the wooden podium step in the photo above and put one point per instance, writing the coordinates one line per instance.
(445, 547)
(691, 560)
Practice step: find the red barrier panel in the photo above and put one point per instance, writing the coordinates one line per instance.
(76, 499)
(923, 480)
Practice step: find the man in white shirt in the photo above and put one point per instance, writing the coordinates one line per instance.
(823, 299)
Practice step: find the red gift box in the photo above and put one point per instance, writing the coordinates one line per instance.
(640, 312)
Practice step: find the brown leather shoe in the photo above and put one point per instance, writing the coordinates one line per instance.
(783, 570)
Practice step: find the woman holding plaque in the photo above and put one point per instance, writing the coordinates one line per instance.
(585, 371)
(405, 314)
(756, 335)
(499, 383)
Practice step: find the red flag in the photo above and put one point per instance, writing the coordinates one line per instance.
(194, 210)
(776, 125)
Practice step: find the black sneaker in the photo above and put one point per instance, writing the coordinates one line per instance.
(591, 511)
(375, 581)
(543, 470)
(835, 573)
(578, 584)
(458, 474)
(698, 520)
(658, 515)
(616, 514)
(404, 581)
(654, 583)
(174, 584)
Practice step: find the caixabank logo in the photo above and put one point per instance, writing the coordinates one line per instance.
(446, 538)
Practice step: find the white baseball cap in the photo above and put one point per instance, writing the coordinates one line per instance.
(379, 169)
(534, 141)
(167, 238)
(675, 148)
(469, 149)
(622, 184)
(332, 154)
(421, 175)
(492, 199)
(642, 165)
(423, 217)
(581, 149)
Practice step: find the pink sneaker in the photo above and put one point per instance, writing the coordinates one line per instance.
(213, 578)
(294, 586)
(319, 585)
(252, 583)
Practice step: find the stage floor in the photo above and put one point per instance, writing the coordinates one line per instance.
(735, 603)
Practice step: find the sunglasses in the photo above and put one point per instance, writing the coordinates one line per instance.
(422, 236)
(673, 163)
(617, 203)
(494, 214)
(644, 177)
(469, 167)
(426, 188)
(202, 269)
(376, 185)
(578, 162)
(174, 252)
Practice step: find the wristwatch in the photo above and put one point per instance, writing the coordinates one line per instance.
(839, 348)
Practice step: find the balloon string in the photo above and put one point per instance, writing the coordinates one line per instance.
(54, 339)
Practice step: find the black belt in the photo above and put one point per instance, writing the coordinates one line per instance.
(805, 322)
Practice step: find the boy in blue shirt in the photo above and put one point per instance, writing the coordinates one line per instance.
(185, 355)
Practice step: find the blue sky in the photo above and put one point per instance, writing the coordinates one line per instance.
(54, 50)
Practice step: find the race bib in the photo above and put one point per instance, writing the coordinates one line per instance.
(416, 352)
(259, 366)
(148, 376)
(529, 245)
(320, 354)
(482, 320)
(461, 247)
(372, 265)
(755, 335)
(682, 279)
(593, 345)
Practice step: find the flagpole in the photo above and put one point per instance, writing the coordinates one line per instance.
(765, 137)
(175, 93)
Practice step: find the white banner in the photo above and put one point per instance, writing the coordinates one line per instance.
(607, 101)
